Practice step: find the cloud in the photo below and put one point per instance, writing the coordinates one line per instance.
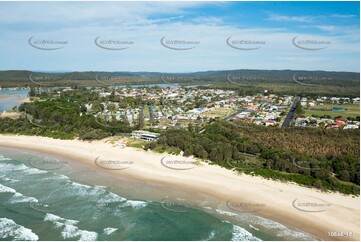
(146, 23)
(209, 20)
(326, 27)
(303, 19)
(343, 15)
(80, 12)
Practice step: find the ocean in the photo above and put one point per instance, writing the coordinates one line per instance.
(45, 197)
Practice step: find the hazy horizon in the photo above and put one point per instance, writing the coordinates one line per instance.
(216, 70)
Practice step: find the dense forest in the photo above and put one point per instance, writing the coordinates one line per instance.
(318, 143)
(316, 158)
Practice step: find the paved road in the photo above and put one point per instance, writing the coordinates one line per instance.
(291, 113)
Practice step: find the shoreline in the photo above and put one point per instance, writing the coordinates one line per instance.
(278, 198)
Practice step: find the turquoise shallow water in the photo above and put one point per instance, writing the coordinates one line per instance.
(50, 198)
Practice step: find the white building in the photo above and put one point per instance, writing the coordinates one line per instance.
(144, 135)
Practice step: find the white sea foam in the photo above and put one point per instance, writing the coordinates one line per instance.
(278, 229)
(34, 171)
(2, 158)
(5, 167)
(17, 197)
(109, 231)
(114, 197)
(54, 218)
(11, 230)
(62, 177)
(4, 189)
(86, 190)
(20, 198)
(121, 201)
(135, 204)
(226, 213)
(269, 226)
(8, 179)
(20, 167)
(250, 225)
(100, 187)
(56, 177)
(88, 235)
(80, 185)
(211, 235)
(240, 234)
(70, 231)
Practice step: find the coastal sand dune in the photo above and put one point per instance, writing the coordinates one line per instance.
(326, 215)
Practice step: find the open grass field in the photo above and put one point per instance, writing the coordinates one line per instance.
(146, 110)
(353, 110)
(218, 112)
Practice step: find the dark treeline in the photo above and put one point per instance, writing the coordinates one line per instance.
(288, 88)
(224, 144)
(276, 81)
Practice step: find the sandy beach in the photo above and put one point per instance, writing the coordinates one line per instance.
(289, 204)
(12, 115)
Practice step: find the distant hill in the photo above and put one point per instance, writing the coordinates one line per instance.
(329, 82)
(15, 75)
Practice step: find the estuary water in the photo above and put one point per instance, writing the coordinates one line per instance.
(11, 98)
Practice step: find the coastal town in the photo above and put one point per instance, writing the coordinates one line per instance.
(181, 107)
(178, 107)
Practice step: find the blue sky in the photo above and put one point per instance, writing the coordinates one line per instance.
(269, 30)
